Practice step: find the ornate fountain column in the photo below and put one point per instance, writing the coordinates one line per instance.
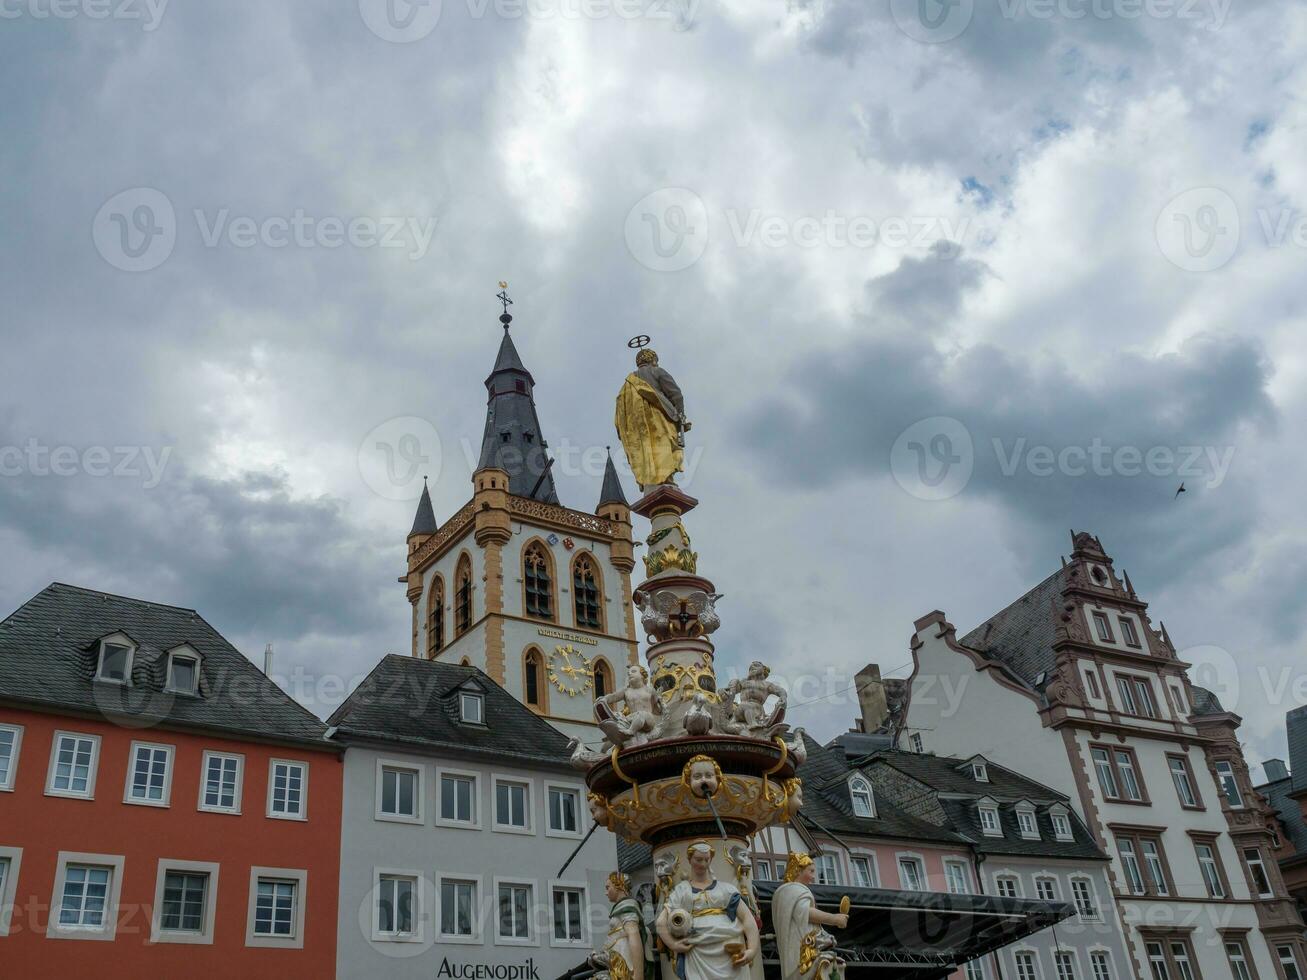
(683, 760)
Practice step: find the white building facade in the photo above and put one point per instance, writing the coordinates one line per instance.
(1073, 687)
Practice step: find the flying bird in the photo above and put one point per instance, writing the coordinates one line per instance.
(1180, 491)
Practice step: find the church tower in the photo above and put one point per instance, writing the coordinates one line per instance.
(532, 592)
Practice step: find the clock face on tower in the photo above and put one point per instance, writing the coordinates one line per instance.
(570, 670)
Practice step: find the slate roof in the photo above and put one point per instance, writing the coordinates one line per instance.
(827, 805)
(1295, 723)
(611, 492)
(1289, 812)
(633, 855)
(1021, 635)
(409, 701)
(513, 441)
(49, 653)
(1205, 702)
(424, 521)
(945, 780)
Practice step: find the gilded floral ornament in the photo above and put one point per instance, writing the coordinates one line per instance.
(671, 557)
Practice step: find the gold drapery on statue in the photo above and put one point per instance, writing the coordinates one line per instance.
(649, 436)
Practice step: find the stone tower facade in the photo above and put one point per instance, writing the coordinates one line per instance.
(534, 593)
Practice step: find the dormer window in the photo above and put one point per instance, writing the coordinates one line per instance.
(864, 801)
(184, 672)
(1061, 825)
(115, 661)
(979, 772)
(989, 824)
(1026, 823)
(472, 707)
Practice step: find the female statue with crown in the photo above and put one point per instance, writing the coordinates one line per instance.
(720, 938)
(624, 949)
(806, 949)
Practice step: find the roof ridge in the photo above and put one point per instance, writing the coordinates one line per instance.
(115, 595)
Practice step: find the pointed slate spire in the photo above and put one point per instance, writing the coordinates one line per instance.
(424, 521)
(513, 441)
(611, 492)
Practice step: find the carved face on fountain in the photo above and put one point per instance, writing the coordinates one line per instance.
(703, 776)
(598, 809)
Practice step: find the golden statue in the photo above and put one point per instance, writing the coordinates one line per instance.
(651, 422)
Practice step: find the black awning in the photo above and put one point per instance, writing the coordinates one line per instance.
(918, 935)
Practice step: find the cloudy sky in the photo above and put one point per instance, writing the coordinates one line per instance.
(941, 281)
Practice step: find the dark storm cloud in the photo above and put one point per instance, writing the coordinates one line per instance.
(1194, 409)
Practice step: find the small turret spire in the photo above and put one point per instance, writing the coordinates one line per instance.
(611, 492)
(424, 521)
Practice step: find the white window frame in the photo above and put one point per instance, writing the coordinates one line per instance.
(303, 813)
(1018, 955)
(957, 864)
(54, 761)
(860, 786)
(170, 753)
(116, 640)
(980, 772)
(183, 653)
(421, 901)
(916, 742)
(205, 936)
(106, 932)
(529, 806)
(235, 808)
(1024, 814)
(1058, 953)
(1052, 881)
(872, 868)
(991, 811)
(532, 923)
(1224, 768)
(1291, 960)
(478, 908)
(579, 886)
(1005, 876)
(419, 791)
(11, 777)
(1239, 955)
(1259, 861)
(762, 870)
(827, 861)
(9, 887)
(920, 860)
(475, 777)
(463, 697)
(1062, 829)
(581, 813)
(1212, 883)
(1105, 953)
(301, 879)
(1088, 882)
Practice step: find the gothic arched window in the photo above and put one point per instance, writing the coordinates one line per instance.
(533, 679)
(603, 681)
(463, 596)
(586, 595)
(539, 585)
(435, 617)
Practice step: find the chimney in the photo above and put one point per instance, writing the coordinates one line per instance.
(871, 699)
(267, 660)
(1275, 770)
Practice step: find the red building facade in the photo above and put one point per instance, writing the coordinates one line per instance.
(165, 809)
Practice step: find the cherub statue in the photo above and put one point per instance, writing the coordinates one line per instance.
(639, 720)
(752, 693)
(806, 949)
(702, 777)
